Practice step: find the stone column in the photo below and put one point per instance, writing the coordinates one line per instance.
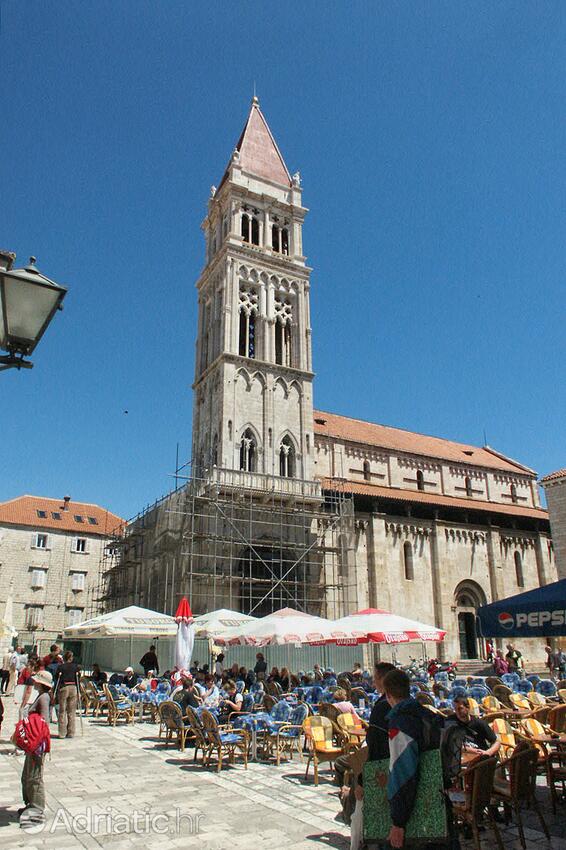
(541, 554)
(495, 569)
(437, 582)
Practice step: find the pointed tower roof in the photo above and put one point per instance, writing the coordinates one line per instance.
(258, 150)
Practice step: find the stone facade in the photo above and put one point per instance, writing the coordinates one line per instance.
(51, 567)
(555, 490)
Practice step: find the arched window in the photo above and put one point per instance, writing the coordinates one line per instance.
(285, 241)
(519, 570)
(287, 458)
(420, 480)
(468, 485)
(283, 354)
(275, 244)
(514, 499)
(214, 455)
(248, 315)
(366, 468)
(246, 228)
(248, 452)
(408, 561)
(255, 231)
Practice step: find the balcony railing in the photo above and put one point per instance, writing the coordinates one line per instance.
(260, 482)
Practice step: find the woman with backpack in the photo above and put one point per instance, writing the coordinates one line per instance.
(33, 790)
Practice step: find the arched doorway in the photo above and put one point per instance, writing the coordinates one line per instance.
(468, 597)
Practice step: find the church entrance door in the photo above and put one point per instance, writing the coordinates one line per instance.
(467, 635)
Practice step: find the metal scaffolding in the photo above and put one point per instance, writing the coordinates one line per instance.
(230, 539)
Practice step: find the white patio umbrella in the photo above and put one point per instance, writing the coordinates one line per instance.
(216, 622)
(286, 626)
(132, 621)
(378, 626)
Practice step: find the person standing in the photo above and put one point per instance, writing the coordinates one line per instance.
(514, 659)
(500, 665)
(149, 661)
(66, 686)
(406, 723)
(5, 672)
(33, 789)
(260, 668)
(219, 665)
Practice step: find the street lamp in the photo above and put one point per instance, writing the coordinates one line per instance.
(28, 302)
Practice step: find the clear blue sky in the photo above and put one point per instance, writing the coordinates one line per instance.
(431, 140)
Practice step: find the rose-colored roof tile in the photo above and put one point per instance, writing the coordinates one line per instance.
(396, 439)
(552, 476)
(24, 511)
(259, 153)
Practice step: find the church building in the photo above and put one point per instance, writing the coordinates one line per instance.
(288, 505)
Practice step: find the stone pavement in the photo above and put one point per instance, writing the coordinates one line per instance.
(121, 788)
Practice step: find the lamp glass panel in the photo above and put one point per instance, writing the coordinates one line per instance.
(28, 306)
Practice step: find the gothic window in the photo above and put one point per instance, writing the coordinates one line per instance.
(285, 241)
(408, 561)
(367, 473)
(420, 480)
(519, 570)
(248, 452)
(283, 335)
(214, 456)
(468, 486)
(248, 316)
(255, 231)
(246, 228)
(287, 458)
(514, 499)
(225, 226)
(275, 238)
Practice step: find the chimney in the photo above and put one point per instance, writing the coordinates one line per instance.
(66, 500)
(6, 260)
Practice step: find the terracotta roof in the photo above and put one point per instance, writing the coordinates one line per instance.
(397, 439)
(560, 473)
(398, 495)
(259, 153)
(24, 511)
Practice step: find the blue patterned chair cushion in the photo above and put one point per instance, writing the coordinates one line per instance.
(511, 680)
(230, 738)
(546, 687)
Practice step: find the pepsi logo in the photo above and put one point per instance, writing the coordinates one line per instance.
(506, 620)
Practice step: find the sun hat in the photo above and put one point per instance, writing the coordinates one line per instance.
(43, 677)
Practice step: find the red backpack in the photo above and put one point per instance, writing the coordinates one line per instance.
(32, 735)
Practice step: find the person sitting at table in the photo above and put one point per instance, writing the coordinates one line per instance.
(211, 695)
(130, 679)
(284, 679)
(231, 702)
(187, 695)
(98, 676)
(343, 704)
(318, 674)
(480, 738)
(232, 673)
(274, 675)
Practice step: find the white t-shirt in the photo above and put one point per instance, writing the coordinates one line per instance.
(218, 668)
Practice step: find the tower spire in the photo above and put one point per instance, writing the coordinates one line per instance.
(257, 150)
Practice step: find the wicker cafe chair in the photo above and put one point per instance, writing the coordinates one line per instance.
(478, 787)
(118, 708)
(288, 736)
(556, 773)
(223, 741)
(85, 696)
(268, 702)
(492, 681)
(520, 703)
(171, 717)
(519, 788)
(506, 735)
(502, 693)
(319, 737)
(353, 729)
(557, 719)
(562, 694)
(197, 732)
(96, 697)
(536, 700)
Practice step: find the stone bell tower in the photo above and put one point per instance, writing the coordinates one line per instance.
(253, 374)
